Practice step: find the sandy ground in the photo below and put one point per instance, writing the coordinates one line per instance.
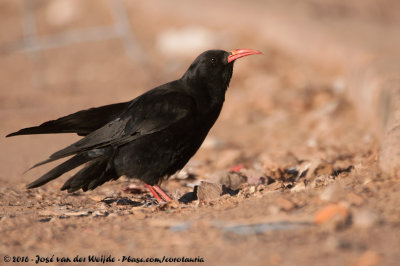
(293, 144)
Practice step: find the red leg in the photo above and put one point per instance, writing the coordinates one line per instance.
(158, 198)
(162, 193)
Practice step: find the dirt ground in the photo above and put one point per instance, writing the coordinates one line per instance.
(296, 146)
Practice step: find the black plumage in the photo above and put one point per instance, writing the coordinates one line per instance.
(148, 138)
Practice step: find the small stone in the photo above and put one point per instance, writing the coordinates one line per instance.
(254, 176)
(245, 192)
(252, 189)
(232, 180)
(181, 175)
(260, 188)
(303, 168)
(335, 215)
(96, 198)
(299, 187)
(208, 191)
(100, 213)
(38, 196)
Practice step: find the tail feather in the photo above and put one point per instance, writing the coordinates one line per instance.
(108, 174)
(97, 173)
(61, 169)
(82, 122)
(93, 154)
(49, 160)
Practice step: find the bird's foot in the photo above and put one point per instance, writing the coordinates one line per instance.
(158, 193)
(162, 193)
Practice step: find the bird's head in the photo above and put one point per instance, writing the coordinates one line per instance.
(213, 68)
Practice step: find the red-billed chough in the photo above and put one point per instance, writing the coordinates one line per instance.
(148, 138)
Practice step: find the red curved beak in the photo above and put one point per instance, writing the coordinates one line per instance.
(238, 53)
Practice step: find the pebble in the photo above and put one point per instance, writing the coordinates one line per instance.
(100, 213)
(96, 198)
(181, 175)
(299, 187)
(208, 191)
(335, 215)
(254, 176)
(232, 180)
(252, 189)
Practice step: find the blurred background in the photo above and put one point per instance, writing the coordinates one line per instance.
(333, 57)
(326, 86)
(320, 58)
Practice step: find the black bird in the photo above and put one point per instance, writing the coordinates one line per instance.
(148, 138)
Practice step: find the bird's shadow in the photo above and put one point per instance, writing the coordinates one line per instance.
(122, 201)
(192, 196)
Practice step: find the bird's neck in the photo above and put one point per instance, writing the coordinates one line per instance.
(209, 95)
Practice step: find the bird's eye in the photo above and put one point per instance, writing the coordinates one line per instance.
(212, 61)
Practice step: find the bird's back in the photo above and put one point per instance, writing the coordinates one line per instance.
(167, 150)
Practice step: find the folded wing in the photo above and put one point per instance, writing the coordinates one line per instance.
(152, 112)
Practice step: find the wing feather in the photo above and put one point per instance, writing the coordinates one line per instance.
(152, 112)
